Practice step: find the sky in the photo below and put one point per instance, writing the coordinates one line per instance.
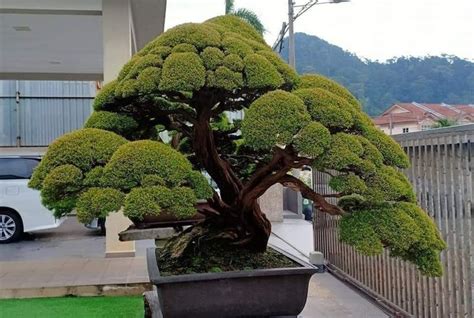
(372, 29)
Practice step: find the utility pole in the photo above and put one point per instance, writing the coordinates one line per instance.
(289, 27)
(291, 35)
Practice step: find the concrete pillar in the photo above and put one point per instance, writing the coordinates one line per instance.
(117, 51)
(271, 203)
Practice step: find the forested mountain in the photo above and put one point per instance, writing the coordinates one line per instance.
(432, 79)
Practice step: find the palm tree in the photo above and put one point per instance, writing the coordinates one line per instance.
(245, 14)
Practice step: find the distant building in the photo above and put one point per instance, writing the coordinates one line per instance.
(409, 117)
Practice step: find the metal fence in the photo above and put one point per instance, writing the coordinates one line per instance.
(442, 175)
(34, 113)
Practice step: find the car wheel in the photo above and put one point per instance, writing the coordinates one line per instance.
(11, 227)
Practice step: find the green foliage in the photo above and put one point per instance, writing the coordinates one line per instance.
(149, 80)
(141, 63)
(93, 178)
(200, 185)
(118, 123)
(235, 45)
(327, 108)
(351, 202)
(313, 140)
(179, 201)
(184, 47)
(348, 184)
(105, 96)
(224, 78)
(236, 25)
(260, 73)
(225, 63)
(98, 203)
(233, 62)
(60, 187)
(404, 228)
(200, 35)
(274, 119)
(289, 75)
(388, 184)
(182, 72)
(134, 160)
(392, 153)
(212, 57)
(84, 149)
(345, 151)
(161, 51)
(152, 180)
(250, 17)
(378, 85)
(444, 122)
(319, 81)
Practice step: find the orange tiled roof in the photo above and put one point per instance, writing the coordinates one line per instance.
(417, 112)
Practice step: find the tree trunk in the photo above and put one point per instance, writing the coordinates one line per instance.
(259, 228)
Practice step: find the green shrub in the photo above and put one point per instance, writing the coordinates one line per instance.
(118, 123)
(274, 119)
(348, 184)
(132, 162)
(319, 81)
(60, 189)
(260, 73)
(84, 149)
(93, 178)
(313, 140)
(151, 180)
(184, 47)
(182, 72)
(98, 203)
(198, 35)
(212, 57)
(178, 201)
(106, 96)
(404, 228)
(392, 153)
(236, 25)
(224, 78)
(201, 186)
(233, 62)
(289, 75)
(326, 108)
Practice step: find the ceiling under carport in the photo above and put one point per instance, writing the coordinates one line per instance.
(63, 39)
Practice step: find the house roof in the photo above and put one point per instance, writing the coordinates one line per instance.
(417, 112)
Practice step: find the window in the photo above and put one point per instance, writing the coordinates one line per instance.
(17, 168)
(405, 130)
(426, 127)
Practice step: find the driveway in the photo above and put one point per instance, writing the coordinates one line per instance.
(70, 240)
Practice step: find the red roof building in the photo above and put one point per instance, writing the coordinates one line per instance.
(409, 117)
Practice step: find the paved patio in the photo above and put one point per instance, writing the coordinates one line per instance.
(70, 260)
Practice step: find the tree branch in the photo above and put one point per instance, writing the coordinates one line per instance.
(318, 199)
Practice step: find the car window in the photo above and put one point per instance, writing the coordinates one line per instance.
(17, 168)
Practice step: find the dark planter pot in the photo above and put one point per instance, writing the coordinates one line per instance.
(252, 293)
(166, 219)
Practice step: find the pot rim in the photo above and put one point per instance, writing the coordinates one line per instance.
(155, 277)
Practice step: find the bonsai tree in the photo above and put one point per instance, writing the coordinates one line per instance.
(164, 122)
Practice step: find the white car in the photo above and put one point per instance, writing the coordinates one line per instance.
(21, 209)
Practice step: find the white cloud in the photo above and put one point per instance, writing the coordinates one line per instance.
(375, 29)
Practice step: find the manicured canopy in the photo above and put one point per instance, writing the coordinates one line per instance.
(185, 82)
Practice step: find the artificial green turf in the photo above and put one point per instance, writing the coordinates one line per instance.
(90, 307)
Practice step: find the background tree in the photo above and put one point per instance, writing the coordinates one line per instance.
(245, 14)
(378, 85)
(444, 122)
(185, 82)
